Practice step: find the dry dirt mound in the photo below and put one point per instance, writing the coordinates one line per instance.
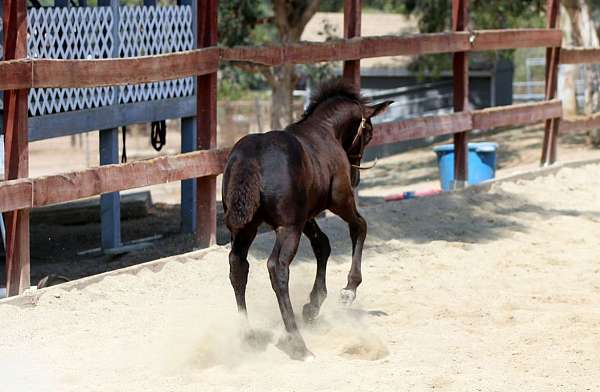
(475, 291)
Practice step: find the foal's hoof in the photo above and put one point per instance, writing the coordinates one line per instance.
(347, 297)
(309, 313)
(295, 348)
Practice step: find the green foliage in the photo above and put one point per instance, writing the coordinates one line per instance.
(238, 20)
(322, 71)
(391, 6)
(436, 16)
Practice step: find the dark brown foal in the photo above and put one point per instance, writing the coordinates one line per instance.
(285, 179)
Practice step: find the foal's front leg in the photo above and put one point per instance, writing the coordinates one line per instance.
(345, 207)
(286, 245)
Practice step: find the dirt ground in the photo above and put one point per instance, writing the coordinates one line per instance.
(54, 248)
(491, 291)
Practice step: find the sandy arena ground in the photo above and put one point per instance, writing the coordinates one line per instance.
(494, 291)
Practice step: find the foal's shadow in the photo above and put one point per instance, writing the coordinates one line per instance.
(361, 313)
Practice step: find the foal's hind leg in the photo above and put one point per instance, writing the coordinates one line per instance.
(322, 249)
(284, 251)
(238, 264)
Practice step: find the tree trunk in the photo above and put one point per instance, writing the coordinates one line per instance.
(567, 75)
(584, 34)
(567, 91)
(282, 96)
(290, 19)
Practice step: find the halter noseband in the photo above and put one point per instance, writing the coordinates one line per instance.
(360, 137)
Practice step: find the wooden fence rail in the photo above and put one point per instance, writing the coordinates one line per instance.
(19, 193)
(42, 191)
(45, 73)
(580, 56)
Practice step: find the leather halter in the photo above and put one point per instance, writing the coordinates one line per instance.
(360, 137)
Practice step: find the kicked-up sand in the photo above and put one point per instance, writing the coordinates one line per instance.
(473, 291)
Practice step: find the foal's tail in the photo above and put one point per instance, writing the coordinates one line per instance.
(243, 194)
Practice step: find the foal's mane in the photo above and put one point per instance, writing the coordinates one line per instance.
(336, 88)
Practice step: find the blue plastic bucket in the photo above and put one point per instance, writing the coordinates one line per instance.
(482, 163)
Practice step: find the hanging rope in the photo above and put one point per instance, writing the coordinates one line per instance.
(158, 134)
(124, 153)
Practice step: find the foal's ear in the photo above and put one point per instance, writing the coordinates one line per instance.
(372, 111)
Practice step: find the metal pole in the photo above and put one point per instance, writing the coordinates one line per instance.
(110, 203)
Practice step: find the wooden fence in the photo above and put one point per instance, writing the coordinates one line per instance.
(19, 193)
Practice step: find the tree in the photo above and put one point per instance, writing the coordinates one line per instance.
(436, 16)
(584, 33)
(254, 22)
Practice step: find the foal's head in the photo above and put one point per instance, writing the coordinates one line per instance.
(339, 105)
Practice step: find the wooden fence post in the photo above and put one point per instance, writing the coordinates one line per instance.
(552, 64)
(206, 117)
(14, 17)
(352, 16)
(460, 20)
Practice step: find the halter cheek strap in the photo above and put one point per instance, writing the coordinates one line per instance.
(360, 137)
(359, 134)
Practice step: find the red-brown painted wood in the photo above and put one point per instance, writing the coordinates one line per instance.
(552, 63)
(420, 128)
(579, 56)
(111, 72)
(46, 190)
(352, 20)
(206, 117)
(15, 74)
(522, 114)
(579, 124)
(460, 19)
(16, 149)
(15, 195)
(504, 116)
(379, 46)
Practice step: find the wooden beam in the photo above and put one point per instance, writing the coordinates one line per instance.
(16, 147)
(134, 70)
(552, 63)
(206, 117)
(46, 73)
(352, 21)
(112, 178)
(580, 124)
(460, 20)
(15, 74)
(15, 195)
(109, 178)
(484, 40)
(580, 56)
(420, 128)
(390, 45)
(522, 114)
(504, 116)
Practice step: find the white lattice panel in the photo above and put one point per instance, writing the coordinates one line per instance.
(69, 33)
(86, 33)
(147, 31)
